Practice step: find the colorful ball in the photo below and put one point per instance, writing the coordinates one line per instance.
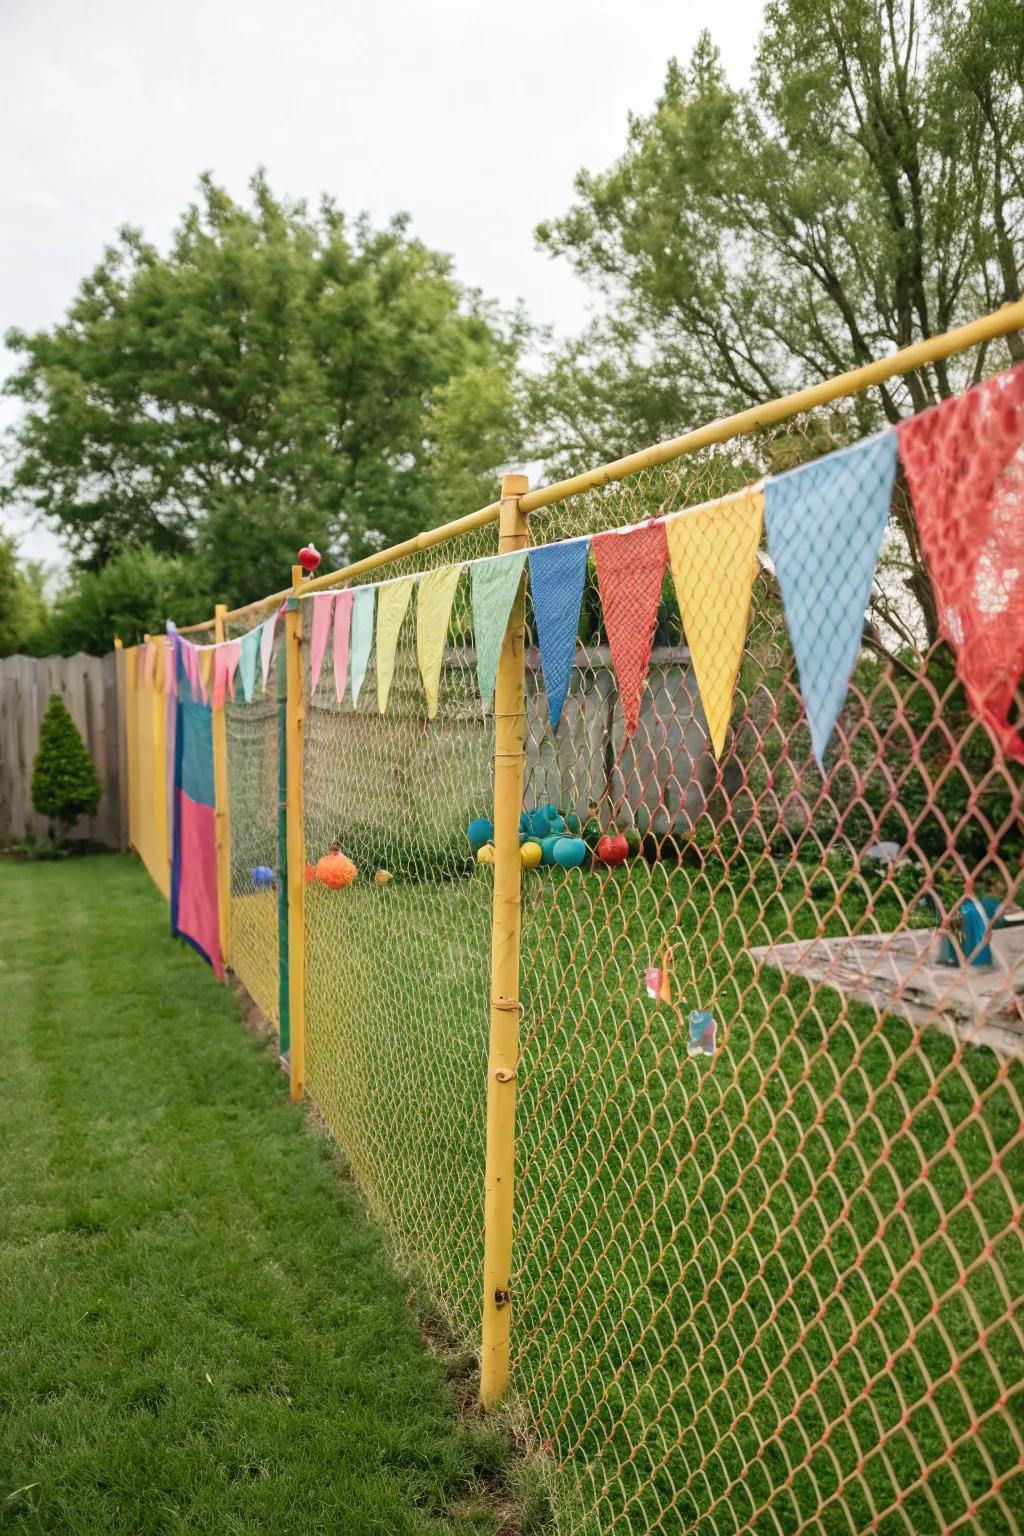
(524, 824)
(547, 849)
(479, 832)
(310, 873)
(572, 824)
(530, 854)
(335, 871)
(382, 877)
(262, 875)
(550, 811)
(539, 824)
(485, 854)
(570, 852)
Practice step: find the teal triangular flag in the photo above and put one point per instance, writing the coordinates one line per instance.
(247, 661)
(361, 642)
(495, 583)
(825, 523)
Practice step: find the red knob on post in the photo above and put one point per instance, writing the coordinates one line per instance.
(309, 558)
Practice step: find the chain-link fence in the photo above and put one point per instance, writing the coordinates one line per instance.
(768, 1266)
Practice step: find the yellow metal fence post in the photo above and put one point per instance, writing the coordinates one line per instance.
(503, 1053)
(296, 841)
(222, 803)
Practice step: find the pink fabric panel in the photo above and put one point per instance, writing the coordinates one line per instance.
(321, 631)
(197, 888)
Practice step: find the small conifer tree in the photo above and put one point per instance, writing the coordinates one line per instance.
(64, 782)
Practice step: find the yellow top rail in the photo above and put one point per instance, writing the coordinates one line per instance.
(1000, 323)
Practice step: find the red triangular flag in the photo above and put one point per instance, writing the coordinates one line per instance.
(965, 468)
(630, 571)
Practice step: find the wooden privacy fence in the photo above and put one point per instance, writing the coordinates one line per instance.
(89, 687)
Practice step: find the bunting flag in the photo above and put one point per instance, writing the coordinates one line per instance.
(392, 603)
(267, 646)
(557, 574)
(825, 523)
(495, 583)
(321, 629)
(362, 637)
(433, 610)
(713, 554)
(964, 462)
(630, 570)
(225, 663)
(194, 907)
(149, 662)
(247, 661)
(205, 655)
(342, 627)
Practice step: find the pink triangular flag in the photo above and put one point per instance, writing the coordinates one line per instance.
(267, 646)
(225, 663)
(630, 571)
(342, 630)
(321, 629)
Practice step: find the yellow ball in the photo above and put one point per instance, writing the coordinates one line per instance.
(485, 855)
(530, 855)
(382, 877)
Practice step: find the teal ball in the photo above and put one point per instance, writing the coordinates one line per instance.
(479, 832)
(570, 852)
(572, 824)
(556, 824)
(547, 849)
(549, 810)
(539, 824)
(524, 824)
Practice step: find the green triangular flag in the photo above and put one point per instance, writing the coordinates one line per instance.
(248, 659)
(495, 583)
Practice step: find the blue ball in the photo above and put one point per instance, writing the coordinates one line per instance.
(479, 831)
(262, 875)
(556, 824)
(539, 824)
(570, 852)
(547, 849)
(550, 810)
(524, 824)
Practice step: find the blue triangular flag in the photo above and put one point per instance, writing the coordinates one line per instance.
(825, 523)
(495, 583)
(557, 574)
(361, 637)
(248, 659)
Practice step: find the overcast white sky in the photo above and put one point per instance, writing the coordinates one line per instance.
(472, 117)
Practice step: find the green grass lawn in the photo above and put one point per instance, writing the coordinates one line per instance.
(775, 1291)
(198, 1330)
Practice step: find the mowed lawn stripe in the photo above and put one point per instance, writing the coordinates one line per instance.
(198, 1329)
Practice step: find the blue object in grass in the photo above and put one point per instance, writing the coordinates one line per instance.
(569, 852)
(262, 876)
(702, 1033)
(479, 832)
(539, 823)
(547, 849)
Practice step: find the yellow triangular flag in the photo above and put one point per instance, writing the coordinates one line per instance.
(433, 610)
(392, 601)
(206, 670)
(713, 551)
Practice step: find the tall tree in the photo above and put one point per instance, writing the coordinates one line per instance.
(863, 192)
(22, 602)
(277, 375)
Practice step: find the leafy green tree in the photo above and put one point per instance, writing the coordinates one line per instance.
(22, 603)
(278, 375)
(134, 593)
(64, 782)
(864, 191)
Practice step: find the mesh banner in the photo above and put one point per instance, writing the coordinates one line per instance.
(254, 740)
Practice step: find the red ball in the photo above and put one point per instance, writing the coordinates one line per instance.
(309, 558)
(612, 849)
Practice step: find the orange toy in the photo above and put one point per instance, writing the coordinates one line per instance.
(334, 870)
